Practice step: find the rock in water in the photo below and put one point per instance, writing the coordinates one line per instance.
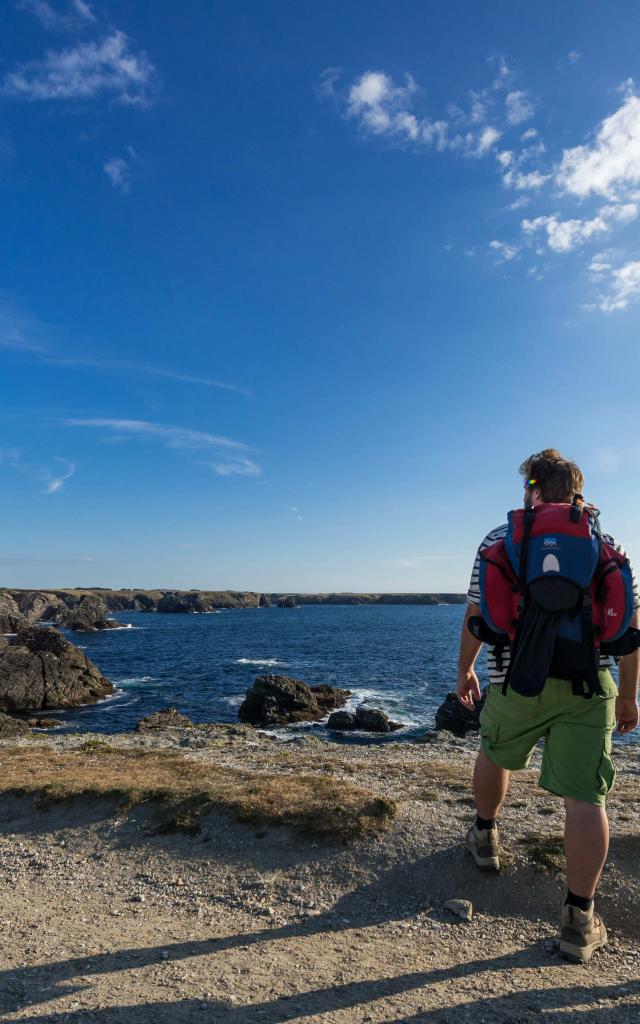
(280, 700)
(87, 615)
(342, 720)
(287, 602)
(170, 718)
(454, 718)
(10, 727)
(41, 669)
(374, 720)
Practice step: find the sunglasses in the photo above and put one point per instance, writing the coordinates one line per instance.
(530, 483)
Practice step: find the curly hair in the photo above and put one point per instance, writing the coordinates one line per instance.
(557, 478)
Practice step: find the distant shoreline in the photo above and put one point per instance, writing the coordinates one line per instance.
(186, 601)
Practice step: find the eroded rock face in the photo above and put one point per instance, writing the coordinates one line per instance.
(38, 604)
(41, 669)
(287, 602)
(170, 718)
(12, 727)
(453, 717)
(87, 615)
(11, 619)
(281, 700)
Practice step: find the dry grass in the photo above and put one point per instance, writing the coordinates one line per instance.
(185, 789)
(545, 852)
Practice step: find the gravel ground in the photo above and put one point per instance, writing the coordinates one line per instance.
(102, 922)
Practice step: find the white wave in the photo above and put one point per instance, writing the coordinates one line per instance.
(133, 680)
(233, 700)
(270, 662)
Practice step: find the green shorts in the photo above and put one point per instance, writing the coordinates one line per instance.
(576, 761)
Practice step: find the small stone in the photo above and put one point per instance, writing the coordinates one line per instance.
(461, 908)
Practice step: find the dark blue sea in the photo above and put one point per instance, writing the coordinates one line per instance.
(396, 657)
(401, 658)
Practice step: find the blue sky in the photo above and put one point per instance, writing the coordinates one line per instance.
(288, 290)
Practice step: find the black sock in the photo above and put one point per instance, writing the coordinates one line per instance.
(578, 901)
(484, 823)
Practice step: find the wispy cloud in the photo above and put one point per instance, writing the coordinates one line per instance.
(519, 107)
(565, 235)
(296, 512)
(119, 170)
(417, 561)
(71, 16)
(621, 283)
(31, 560)
(503, 250)
(388, 109)
(90, 69)
(138, 370)
(52, 477)
(18, 331)
(234, 461)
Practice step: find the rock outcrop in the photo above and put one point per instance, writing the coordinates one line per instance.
(365, 718)
(11, 619)
(10, 727)
(170, 718)
(287, 602)
(39, 669)
(87, 615)
(453, 717)
(37, 605)
(281, 700)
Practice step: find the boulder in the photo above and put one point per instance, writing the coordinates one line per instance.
(374, 720)
(10, 727)
(87, 615)
(342, 720)
(40, 668)
(43, 723)
(453, 717)
(281, 700)
(11, 620)
(170, 718)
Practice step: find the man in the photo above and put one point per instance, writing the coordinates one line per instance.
(576, 762)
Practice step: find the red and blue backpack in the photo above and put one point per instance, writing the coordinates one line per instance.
(557, 595)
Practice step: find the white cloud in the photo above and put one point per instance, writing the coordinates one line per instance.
(488, 138)
(611, 163)
(524, 180)
(571, 58)
(519, 107)
(83, 10)
(504, 250)
(235, 462)
(531, 133)
(623, 285)
(118, 171)
(296, 512)
(84, 71)
(382, 107)
(325, 87)
(565, 235)
(505, 158)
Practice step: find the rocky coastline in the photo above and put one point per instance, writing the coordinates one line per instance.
(58, 605)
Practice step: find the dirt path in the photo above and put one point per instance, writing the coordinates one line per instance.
(101, 922)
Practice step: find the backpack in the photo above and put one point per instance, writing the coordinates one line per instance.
(557, 595)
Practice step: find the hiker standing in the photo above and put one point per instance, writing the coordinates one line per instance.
(557, 601)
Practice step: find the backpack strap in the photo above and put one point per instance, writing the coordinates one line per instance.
(529, 516)
(588, 676)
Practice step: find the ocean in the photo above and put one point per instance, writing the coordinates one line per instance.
(401, 658)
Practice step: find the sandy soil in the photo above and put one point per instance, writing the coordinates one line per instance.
(102, 922)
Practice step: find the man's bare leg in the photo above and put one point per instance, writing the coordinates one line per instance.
(586, 842)
(490, 784)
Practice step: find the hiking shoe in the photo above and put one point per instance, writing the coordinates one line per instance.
(482, 844)
(582, 933)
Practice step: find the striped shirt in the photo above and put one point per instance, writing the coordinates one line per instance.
(473, 597)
